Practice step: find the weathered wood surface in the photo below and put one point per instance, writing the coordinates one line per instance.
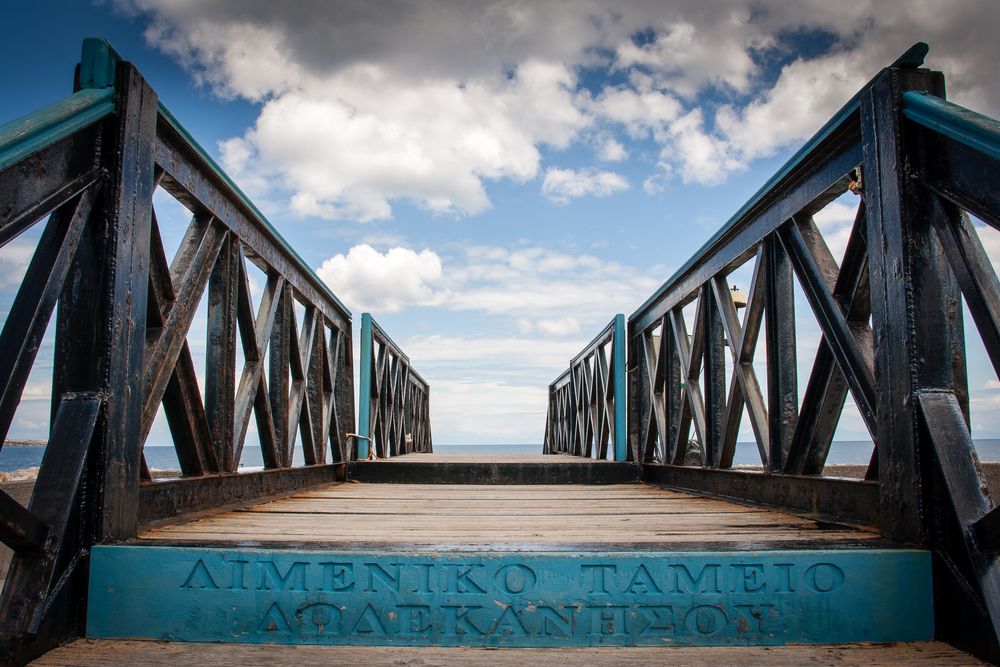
(436, 457)
(613, 514)
(87, 652)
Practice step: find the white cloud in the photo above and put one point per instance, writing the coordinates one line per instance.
(561, 185)
(492, 351)
(612, 150)
(535, 284)
(835, 222)
(366, 279)
(556, 293)
(491, 411)
(560, 326)
(14, 260)
(364, 104)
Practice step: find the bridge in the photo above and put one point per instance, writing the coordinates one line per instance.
(630, 537)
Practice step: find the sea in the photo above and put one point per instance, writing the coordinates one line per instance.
(163, 457)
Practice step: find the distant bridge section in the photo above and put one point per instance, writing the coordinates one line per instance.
(586, 415)
(394, 400)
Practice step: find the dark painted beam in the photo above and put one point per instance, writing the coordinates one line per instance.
(21, 530)
(167, 499)
(835, 498)
(413, 472)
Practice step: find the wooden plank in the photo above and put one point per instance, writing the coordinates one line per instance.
(126, 653)
(419, 513)
(160, 500)
(394, 471)
(838, 499)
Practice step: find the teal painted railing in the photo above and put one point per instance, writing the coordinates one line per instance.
(393, 399)
(587, 403)
(37, 131)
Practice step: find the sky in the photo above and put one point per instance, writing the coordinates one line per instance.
(495, 180)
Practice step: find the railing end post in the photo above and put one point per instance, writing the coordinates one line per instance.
(97, 64)
(363, 444)
(620, 363)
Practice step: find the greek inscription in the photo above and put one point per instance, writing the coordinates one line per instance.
(705, 620)
(555, 624)
(642, 582)
(424, 578)
(616, 601)
(294, 578)
(509, 623)
(460, 578)
(368, 622)
(274, 621)
(199, 577)
(756, 618)
(599, 575)
(515, 579)
(322, 616)
(784, 577)
(457, 621)
(414, 619)
(607, 620)
(749, 578)
(655, 619)
(824, 577)
(337, 577)
(237, 580)
(384, 575)
(706, 581)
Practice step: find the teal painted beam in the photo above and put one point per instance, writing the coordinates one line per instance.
(365, 389)
(976, 131)
(618, 352)
(36, 131)
(492, 599)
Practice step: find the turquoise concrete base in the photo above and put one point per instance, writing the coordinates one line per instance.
(489, 599)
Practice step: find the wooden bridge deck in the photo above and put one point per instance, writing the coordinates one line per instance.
(505, 518)
(94, 653)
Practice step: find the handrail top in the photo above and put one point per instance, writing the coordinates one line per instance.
(40, 129)
(598, 340)
(562, 380)
(97, 63)
(387, 339)
(973, 129)
(912, 58)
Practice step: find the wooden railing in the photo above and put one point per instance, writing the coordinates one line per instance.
(586, 413)
(394, 401)
(91, 164)
(892, 337)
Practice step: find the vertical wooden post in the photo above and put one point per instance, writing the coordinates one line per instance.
(636, 395)
(782, 375)
(101, 326)
(917, 336)
(220, 380)
(672, 389)
(715, 378)
(278, 361)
